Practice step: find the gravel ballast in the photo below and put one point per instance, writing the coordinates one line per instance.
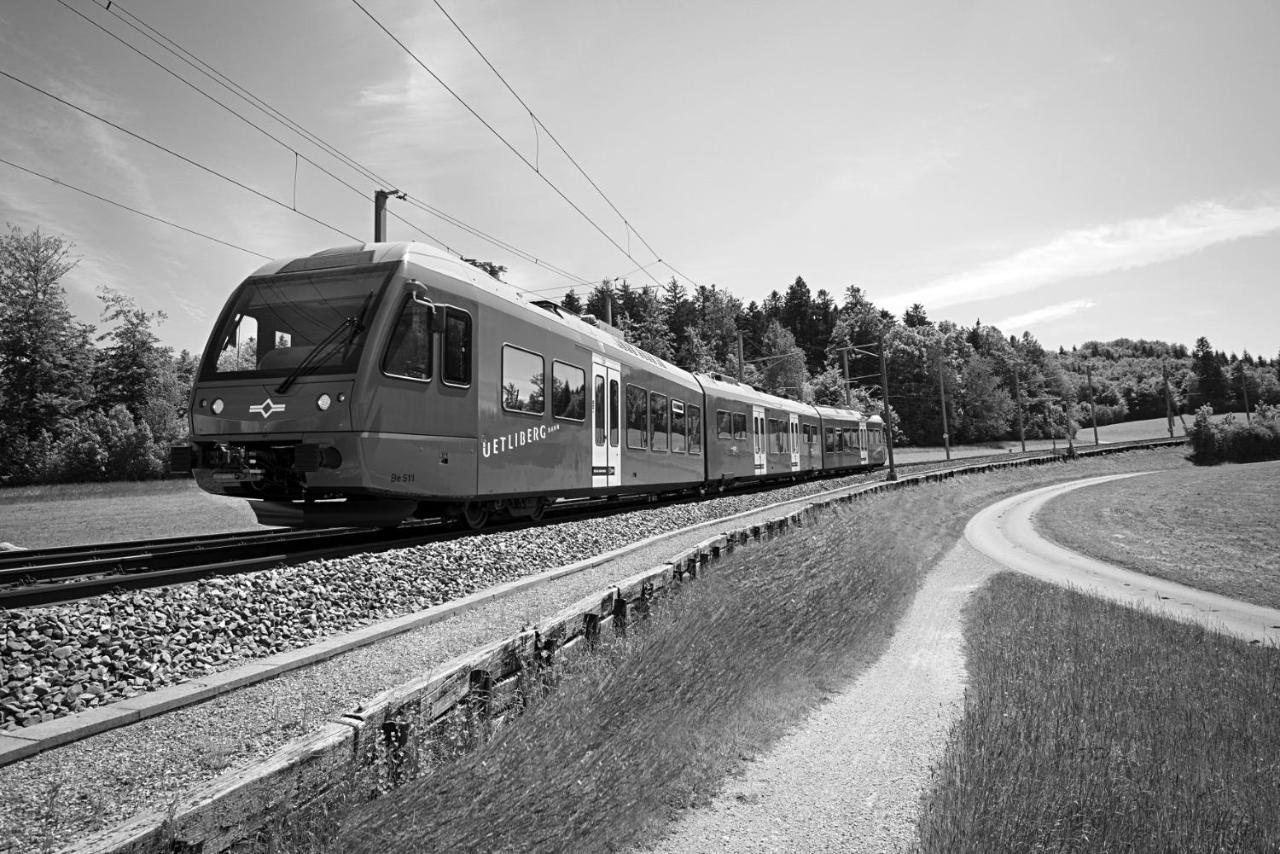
(97, 782)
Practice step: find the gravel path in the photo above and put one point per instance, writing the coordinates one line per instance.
(850, 777)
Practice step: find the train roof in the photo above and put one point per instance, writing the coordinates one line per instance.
(734, 390)
(839, 412)
(608, 339)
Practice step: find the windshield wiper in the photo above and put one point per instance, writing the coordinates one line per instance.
(355, 323)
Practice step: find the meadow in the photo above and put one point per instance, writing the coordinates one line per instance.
(1209, 528)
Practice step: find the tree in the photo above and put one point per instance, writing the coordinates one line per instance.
(915, 316)
(649, 328)
(45, 355)
(571, 302)
(493, 269)
(783, 373)
(1210, 381)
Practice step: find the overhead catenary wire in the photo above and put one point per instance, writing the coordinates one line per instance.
(83, 191)
(210, 170)
(496, 133)
(160, 39)
(538, 123)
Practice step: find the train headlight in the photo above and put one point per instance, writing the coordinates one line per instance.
(323, 402)
(217, 406)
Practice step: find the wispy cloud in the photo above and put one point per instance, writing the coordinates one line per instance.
(1102, 249)
(1044, 315)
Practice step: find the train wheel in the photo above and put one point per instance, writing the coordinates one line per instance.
(539, 510)
(475, 515)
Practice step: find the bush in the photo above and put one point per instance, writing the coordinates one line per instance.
(1232, 441)
(104, 446)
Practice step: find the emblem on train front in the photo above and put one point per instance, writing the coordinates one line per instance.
(266, 408)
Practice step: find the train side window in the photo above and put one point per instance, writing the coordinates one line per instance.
(850, 442)
(408, 353)
(637, 417)
(679, 439)
(695, 429)
(739, 425)
(456, 351)
(568, 391)
(831, 440)
(614, 417)
(523, 383)
(599, 410)
(724, 425)
(659, 422)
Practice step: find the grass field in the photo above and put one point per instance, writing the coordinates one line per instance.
(80, 514)
(650, 726)
(1210, 528)
(1092, 727)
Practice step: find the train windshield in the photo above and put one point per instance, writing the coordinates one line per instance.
(277, 324)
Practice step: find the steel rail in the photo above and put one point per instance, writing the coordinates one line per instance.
(45, 576)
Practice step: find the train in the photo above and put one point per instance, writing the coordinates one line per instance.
(371, 384)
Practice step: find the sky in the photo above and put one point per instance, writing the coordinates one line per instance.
(1078, 170)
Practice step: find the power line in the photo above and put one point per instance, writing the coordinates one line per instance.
(131, 210)
(495, 132)
(231, 110)
(245, 94)
(173, 153)
(539, 123)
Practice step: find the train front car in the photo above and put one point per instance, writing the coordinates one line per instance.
(311, 390)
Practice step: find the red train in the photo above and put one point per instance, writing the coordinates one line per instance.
(369, 384)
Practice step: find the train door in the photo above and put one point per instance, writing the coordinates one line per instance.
(606, 449)
(793, 441)
(862, 442)
(761, 443)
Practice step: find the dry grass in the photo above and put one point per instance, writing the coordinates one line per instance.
(642, 728)
(1209, 528)
(1091, 727)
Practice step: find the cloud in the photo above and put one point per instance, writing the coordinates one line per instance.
(1102, 249)
(1044, 315)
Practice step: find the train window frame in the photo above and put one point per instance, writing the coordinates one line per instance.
(829, 437)
(654, 411)
(679, 411)
(410, 301)
(693, 417)
(502, 398)
(556, 363)
(640, 393)
(453, 312)
(598, 408)
(739, 433)
(723, 416)
(615, 412)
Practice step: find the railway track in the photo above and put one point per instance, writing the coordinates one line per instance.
(46, 576)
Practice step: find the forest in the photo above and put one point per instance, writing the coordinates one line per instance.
(85, 402)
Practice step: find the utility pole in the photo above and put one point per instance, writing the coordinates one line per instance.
(844, 373)
(1168, 398)
(380, 212)
(1093, 412)
(888, 417)
(740, 365)
(1244, 389)
(942, 393)
(1017, 394)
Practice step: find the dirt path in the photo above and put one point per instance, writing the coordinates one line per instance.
(849, 778)
(1005, 532)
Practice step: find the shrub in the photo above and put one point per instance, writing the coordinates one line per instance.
(104, 446)
(1233, 441)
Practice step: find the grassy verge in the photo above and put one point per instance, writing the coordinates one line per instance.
(79, 514)
(650, 725)
(1209, 528)
(1091, 727)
